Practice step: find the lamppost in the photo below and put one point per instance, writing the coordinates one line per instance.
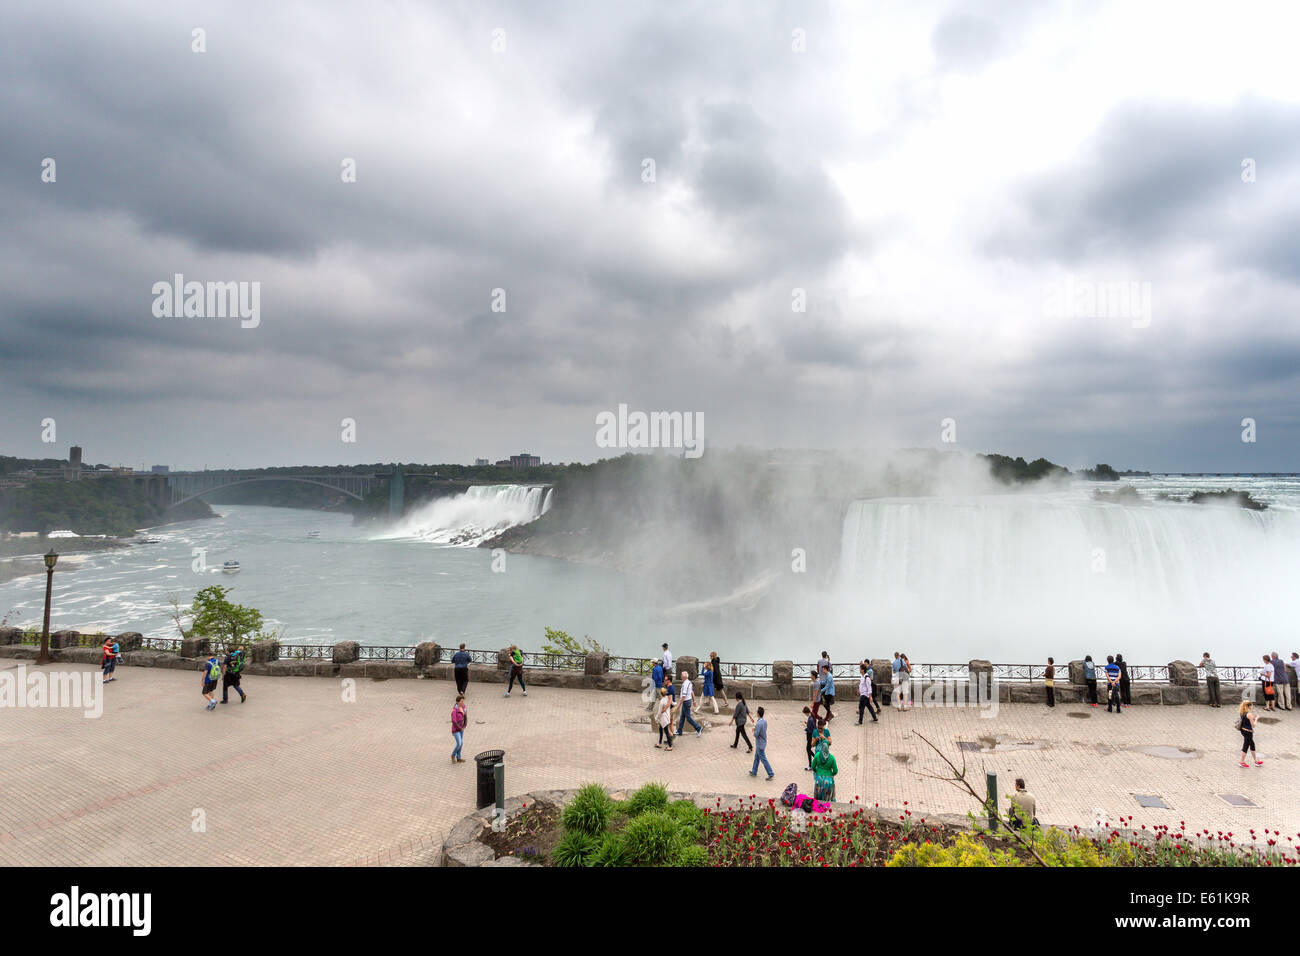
(51, 559)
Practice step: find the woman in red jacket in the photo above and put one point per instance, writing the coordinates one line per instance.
(458, 722)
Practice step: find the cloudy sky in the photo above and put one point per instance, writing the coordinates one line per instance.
(1031, 218)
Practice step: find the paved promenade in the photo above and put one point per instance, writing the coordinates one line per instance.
(299, 776)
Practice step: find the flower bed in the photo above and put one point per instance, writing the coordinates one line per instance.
(588, 827)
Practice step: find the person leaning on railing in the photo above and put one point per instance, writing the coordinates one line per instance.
(1211, 677)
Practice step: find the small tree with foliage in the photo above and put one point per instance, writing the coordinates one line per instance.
(221, 621)
(559, 643)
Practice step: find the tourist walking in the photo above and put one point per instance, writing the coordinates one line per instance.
(1294, 667)
(903, 669)
(707, 674)
(688, 697)
(1112, 685)
(1049, 681)
(460, 669)
(718, 686)
(1123, 680)
(1266, 682)
(667, 659)
(1246, 718)
(816, 690)
(825, 660)
(865, 690)
(1023, 809)
(211, 674)
(824, 770)
(1211, 677)
(657, 676)
(516, 670)
(739, 714)
(664, 717)
(760, 746)
(1090, 678)
(810, 730)
(231, 675)
(108, 663)
(459, 718)
(827, 685)
(873, 703)
(1282, 682)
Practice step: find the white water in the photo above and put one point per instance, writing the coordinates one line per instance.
(1021, 576)
(469, 518)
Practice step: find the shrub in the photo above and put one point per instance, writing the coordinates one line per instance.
(653, 796)
(653, 839)
(692, 854)
(589, 811)
(575, 849)
(964, 851)
(611, 852)
(688, 816)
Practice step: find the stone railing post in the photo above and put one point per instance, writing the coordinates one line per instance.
(195, 647)
(689, 664)
(427, 654)
(10, 635)
(1076, 673)
(263, 652)
(504, 662)
(597, 664)
(783, 679)
(129, 641)
(981, 681)
(1183, 674)
(347, 652)
(60, 639)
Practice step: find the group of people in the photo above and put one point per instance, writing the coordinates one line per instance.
(1279, 680)
(1115, 673)
(229, 671)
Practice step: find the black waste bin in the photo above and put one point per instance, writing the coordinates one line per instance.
(487, 781)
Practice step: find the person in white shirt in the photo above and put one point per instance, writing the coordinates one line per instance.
(688, 695)
(865, 690)
(668, 660)
(665, 717)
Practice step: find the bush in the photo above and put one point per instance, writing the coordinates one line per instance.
(692, 854)
(688, 816)
(653, 796)
(964, 851)
(611, 852)
(654, 839)
(589, 811)
(575, 849)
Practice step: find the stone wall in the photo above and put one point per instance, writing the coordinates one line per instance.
(786, 686)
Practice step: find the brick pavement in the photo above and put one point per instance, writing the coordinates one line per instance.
(298, 776)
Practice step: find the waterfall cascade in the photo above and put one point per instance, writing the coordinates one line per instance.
(469, 518)
(1078, 575)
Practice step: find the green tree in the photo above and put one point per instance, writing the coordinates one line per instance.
(221, 621)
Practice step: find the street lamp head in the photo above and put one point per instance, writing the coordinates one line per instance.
(51, 559)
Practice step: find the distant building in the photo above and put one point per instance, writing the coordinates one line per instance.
(524, 460)
(504, 463)
(480, 462)
(73, 471)
(160, 469)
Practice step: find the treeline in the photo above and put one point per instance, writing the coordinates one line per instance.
(113, 506)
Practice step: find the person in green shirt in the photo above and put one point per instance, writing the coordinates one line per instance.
(824, 771)
(516, 670)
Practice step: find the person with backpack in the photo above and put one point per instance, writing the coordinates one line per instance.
(739, 714)
(516, 670)
(827, 687)
(108, 663)
(810, 731)
(459, 720)
(1246, 718)
(211, 674)
(1090, 678)
(1124, 686)
(865, 691)
(904, 681)
(460, 669)
(233, 671)
(1112, 685)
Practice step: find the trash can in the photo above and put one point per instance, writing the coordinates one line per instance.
(487, 781)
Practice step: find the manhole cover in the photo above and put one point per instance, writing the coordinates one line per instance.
(1084, 715)
(1237, 800)
(1150, 800)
